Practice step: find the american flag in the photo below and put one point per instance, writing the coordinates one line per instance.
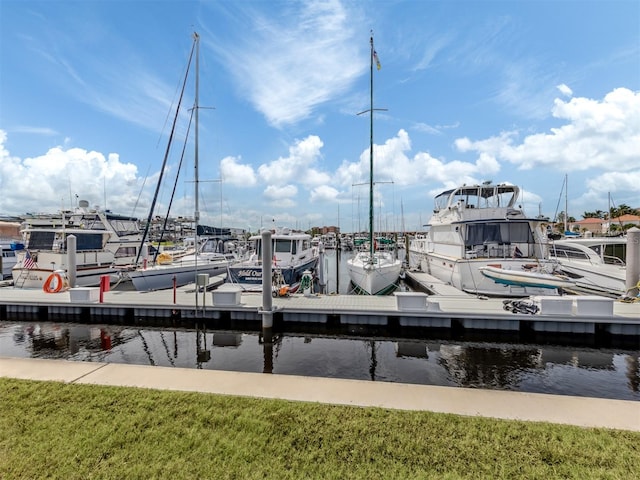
(28, 261)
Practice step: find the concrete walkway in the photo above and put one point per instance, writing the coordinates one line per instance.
(580, 411)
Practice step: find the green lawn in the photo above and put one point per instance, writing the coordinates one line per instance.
(55, 430)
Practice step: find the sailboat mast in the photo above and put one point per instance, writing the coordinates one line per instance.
(166, 156)
(371, 243)
(566, 203)
(196, 218)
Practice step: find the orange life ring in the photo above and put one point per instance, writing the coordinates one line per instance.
(53, 283)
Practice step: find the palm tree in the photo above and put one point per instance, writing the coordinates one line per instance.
(623, 209)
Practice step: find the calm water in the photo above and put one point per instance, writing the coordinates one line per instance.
(527, 368)
(604, 373)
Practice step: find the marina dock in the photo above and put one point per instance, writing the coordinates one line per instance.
(227, 306)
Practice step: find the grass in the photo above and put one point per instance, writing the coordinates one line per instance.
(55, 430)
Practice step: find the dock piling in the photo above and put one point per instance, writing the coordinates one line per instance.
(633, 261)
(267, 301)
(72, 260)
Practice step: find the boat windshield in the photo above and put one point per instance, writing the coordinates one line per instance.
(479, 196)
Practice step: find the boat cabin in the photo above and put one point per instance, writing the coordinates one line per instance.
(285, 246)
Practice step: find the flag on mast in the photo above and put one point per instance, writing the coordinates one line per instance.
(375, 57)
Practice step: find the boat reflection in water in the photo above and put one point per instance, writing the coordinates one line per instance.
(604, 373)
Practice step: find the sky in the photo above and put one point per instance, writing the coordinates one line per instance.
(528, 92)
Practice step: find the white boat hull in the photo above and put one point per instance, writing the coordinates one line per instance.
(466, 275)
(374, 277)
(598, 279)
(85, 277)
(160, 277)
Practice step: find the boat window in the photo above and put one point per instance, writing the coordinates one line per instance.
(125, 252)
(441, 200)
(41, 240)
(516, 233)
(569, 252)
(282, 246)
(512, 232)
(294, 247)
(483, 233)
(87, 241)
(616, 250)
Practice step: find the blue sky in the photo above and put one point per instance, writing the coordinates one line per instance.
(522, 92)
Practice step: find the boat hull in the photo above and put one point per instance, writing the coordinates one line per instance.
(608, 280)
(249, 275)
(160, 277)
(374, 278)
(466, 275)
(85, 277)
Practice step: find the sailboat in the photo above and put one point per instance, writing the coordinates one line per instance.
(373, 272)
(169, 272)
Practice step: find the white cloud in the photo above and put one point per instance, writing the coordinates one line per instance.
(596, 134)
(278, 193)
(614, 181)
(565, 90)
(35, 130)
(298, 166)
(392, 163)
(236, 173)
(324, 193)
(49, 182)
(273, 69)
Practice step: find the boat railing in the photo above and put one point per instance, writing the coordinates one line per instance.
(612, 260)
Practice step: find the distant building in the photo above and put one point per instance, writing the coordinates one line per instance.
(325, 230)
(593, 225)
(623, 220)
(9, 230)
(600, 226)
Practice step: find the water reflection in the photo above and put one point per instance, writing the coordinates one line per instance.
(497, 366)
(532, 368)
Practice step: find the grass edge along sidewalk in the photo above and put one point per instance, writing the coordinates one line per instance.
(57, 430)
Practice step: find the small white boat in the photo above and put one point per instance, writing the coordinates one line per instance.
(526, 278)
(293, 254)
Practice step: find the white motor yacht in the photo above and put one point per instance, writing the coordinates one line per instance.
(478, 226)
